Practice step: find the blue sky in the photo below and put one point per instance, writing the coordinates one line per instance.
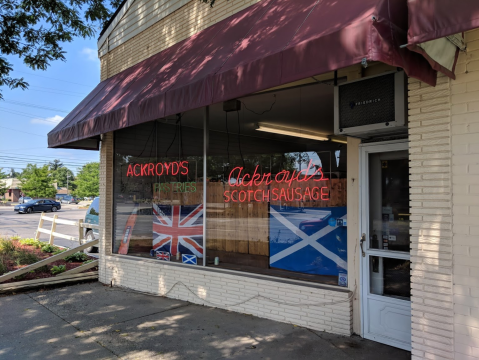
(51, 95)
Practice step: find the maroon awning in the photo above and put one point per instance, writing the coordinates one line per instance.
(434, 19)
(271, 43)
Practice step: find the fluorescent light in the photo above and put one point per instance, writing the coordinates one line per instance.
(341, 140)
(291, 132)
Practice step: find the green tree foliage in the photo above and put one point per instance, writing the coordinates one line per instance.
(55, 165)
(37, 182)
(3, 186)
(62, 175)
(88, 180)
(13, 174)
(35, 31)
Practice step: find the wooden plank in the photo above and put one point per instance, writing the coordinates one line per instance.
(63, 236)
(40, 226)
(90, 226)
(36, 265)
(48, 281)
(66, 222)
(79, 269)
(54, 227)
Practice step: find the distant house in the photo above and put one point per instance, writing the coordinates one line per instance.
(14, 191)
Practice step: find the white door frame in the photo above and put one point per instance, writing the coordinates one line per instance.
(364, 151)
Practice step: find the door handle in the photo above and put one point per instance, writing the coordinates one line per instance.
(363, 239)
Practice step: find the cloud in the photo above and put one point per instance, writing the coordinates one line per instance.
(91, 54)
(48, 121)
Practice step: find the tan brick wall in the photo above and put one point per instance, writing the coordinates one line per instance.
(431, 219)
(183, 23)
(465, 187)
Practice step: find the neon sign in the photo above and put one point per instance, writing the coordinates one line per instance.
(158, 169)
(291, 193)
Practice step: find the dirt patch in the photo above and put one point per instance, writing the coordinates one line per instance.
(11, 263)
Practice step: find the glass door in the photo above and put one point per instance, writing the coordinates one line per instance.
(385, 244)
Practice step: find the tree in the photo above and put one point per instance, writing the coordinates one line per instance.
(55, 165)
(37, 182)
(88, 180)
(3, 184)
(64, 176)
(13, 173)
(35, 31)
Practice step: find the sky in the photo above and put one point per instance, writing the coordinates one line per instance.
(27, 116)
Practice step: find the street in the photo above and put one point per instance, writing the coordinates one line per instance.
(25, 225)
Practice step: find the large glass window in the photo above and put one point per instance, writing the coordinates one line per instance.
(275, 188)
(158, 189)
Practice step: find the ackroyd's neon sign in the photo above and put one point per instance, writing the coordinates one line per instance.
(292, 193)
(158, 169)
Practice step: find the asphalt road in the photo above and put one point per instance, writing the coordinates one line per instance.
(25, 225)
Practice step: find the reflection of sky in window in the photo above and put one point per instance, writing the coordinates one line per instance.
(337, 153)
(313, 156)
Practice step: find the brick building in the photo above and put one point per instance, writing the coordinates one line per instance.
(14, 191)
(307, 164)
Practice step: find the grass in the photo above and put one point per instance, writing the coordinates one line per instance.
(23, 257)
(31, 242)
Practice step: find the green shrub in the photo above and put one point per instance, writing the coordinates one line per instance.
(43, 268)
(15, 237)
(59, 251)
(58, 269)
(49, 248)
(7, 246)
(3, 266)
(22, 257)
(87, 262)
(31, 242)
(78, 256)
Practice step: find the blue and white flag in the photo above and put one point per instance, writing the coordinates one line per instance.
(308, 240)
(189, 259)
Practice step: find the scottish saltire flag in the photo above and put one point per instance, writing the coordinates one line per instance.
(178, 228)
(189, 259)
(308, 240)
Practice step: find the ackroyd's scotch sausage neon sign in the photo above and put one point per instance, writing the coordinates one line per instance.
(292, 193)
(158, 169)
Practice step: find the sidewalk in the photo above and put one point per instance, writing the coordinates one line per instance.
(92, 321)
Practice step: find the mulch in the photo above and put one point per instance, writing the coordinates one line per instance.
(38, 273)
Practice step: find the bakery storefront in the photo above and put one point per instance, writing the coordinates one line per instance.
(268, 169)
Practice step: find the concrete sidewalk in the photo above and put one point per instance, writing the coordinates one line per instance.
(92, 321)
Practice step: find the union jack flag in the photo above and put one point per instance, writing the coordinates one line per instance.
(178, 228)
(163, 255)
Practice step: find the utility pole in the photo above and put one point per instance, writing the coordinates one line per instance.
(68, 177)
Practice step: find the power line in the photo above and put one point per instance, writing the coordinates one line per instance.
(21, 113)
(37, 160)
(56, 93)
(56, 89)
(4, 127)
(20, 157)
(36, 156)
(48, 77)
(34, 105)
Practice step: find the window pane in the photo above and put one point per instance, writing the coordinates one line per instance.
(390, 277)
(158, 192)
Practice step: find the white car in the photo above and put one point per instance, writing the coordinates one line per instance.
(24, 199)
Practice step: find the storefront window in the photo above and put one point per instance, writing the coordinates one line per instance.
(158, 192)
(275, 199)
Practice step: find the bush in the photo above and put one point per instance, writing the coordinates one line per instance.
(49, 248)
(31, 242)
(7, 246)
(78, 256)
(59, 251)
(3, 266)
(58, 269)
(22, 257)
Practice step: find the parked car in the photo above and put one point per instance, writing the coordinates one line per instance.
(92, 216)
(69, 200)
(42, 205)
(24, 199)
(60, 196)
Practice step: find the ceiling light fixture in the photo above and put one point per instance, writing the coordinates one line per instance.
(291, 132)
(340, 140)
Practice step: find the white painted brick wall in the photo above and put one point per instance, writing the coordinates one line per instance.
(431, 220)
(222, 288)
(465, 187)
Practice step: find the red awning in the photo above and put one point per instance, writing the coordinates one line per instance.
(434, 19)
(271, 43)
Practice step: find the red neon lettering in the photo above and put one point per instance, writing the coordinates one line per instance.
(283, 195)
(144, 169)
(291, 179)
(232, 198)
(275, 196)
(238, 177)
(129, 172)
(298, 192)
(325, 195)
(227, 196)
(315, 193)
(134, 169)
(249, 194)
(242, 192)
(156, 169)
(185, 167)
(173, 172)
(151, 169)
(256, 176)
(167, 166)
(307, 192)
(285, 174)
(256, 199)
(267, 195)
(267, 179)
